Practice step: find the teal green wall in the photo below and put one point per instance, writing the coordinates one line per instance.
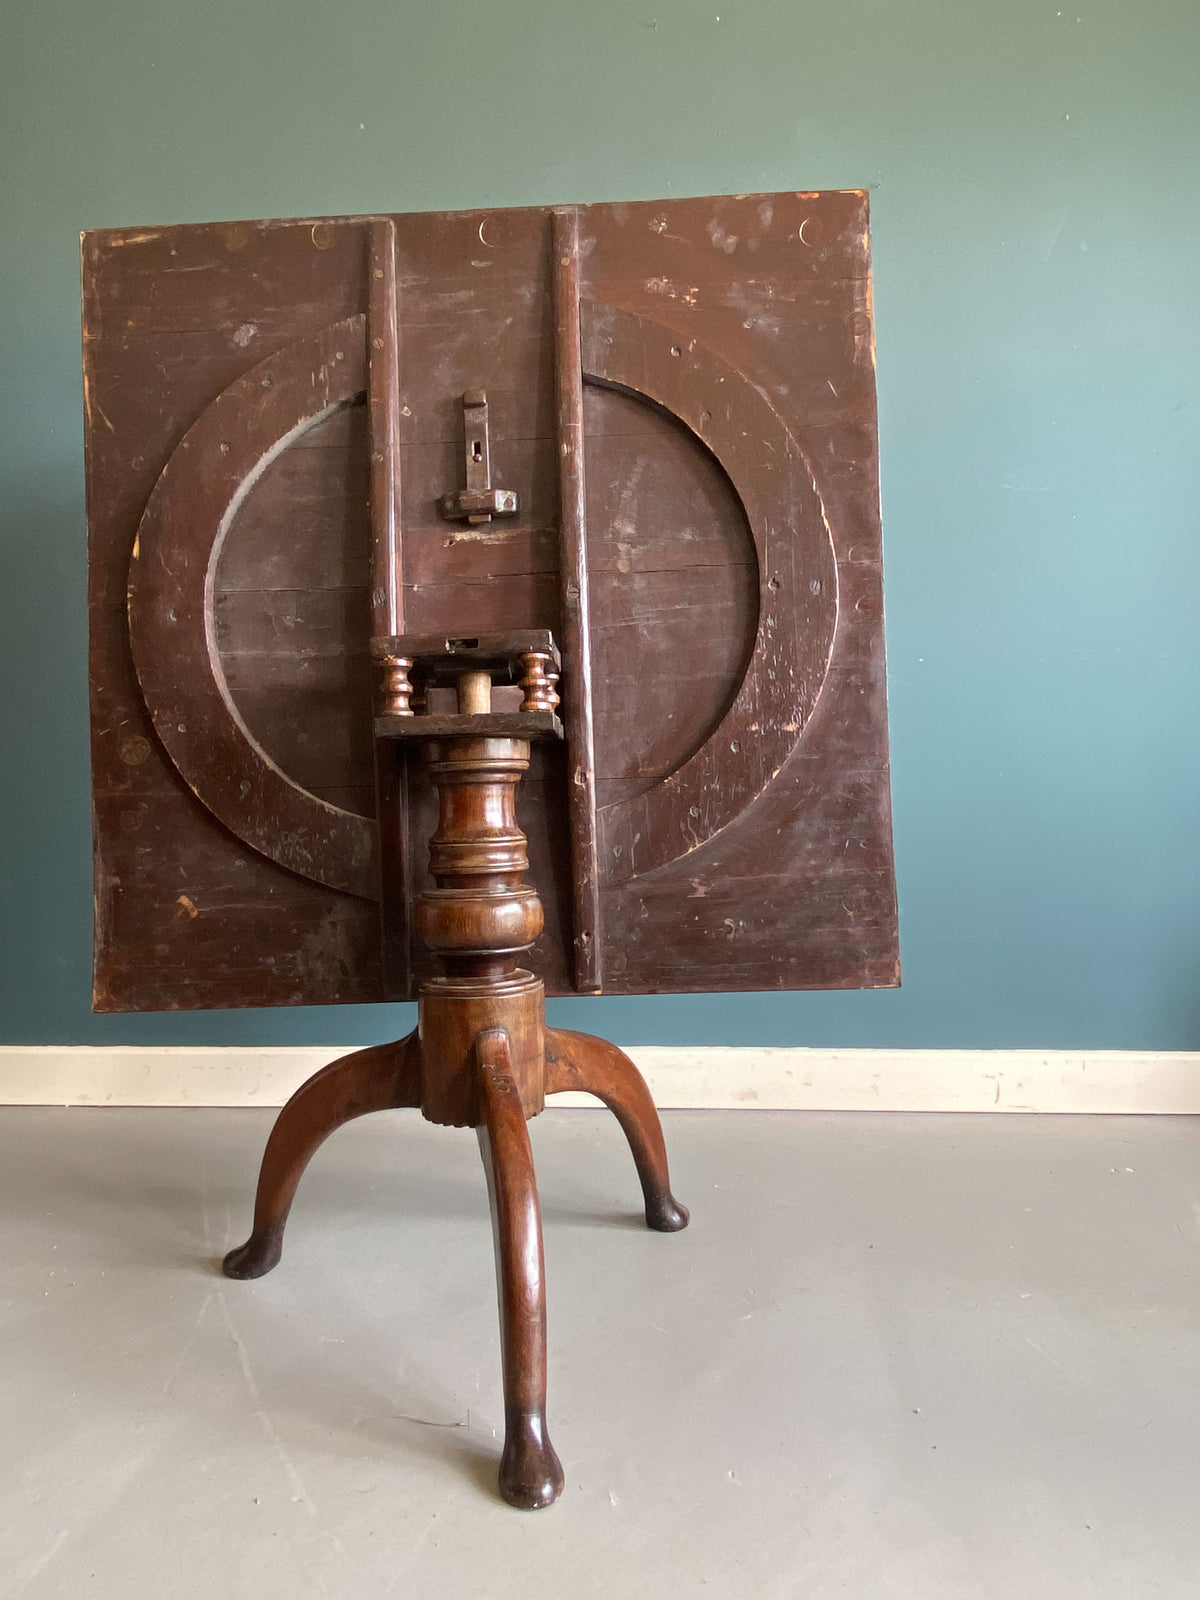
(1035, 216)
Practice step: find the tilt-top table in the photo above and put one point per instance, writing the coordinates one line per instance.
(366, 496)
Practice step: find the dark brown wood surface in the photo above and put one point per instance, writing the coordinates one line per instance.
(587, 954)
(736, 790)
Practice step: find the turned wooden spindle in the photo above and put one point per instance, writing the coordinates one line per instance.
(395, 690)
(480, 916)
(538, 681)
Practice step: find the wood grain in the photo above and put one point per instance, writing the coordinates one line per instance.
(731, 563)
(577, 644)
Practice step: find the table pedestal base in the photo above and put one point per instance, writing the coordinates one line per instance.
(388, 1076)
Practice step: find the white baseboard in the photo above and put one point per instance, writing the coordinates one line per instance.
(786, 1079)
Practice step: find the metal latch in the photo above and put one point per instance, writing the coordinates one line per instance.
(478, 502)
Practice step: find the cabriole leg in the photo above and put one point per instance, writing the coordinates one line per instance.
(582, 1062)
(531, 1474)
(378, 1079)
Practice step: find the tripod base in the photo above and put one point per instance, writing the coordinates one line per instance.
(394, 1075)
(482, 1056)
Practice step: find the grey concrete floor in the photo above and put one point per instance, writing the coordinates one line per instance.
(928, 1358)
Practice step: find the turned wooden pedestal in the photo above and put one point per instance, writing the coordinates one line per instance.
(481, 1057)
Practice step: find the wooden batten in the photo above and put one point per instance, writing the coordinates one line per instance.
(576, 643)
(387, 599)
(383, 366)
